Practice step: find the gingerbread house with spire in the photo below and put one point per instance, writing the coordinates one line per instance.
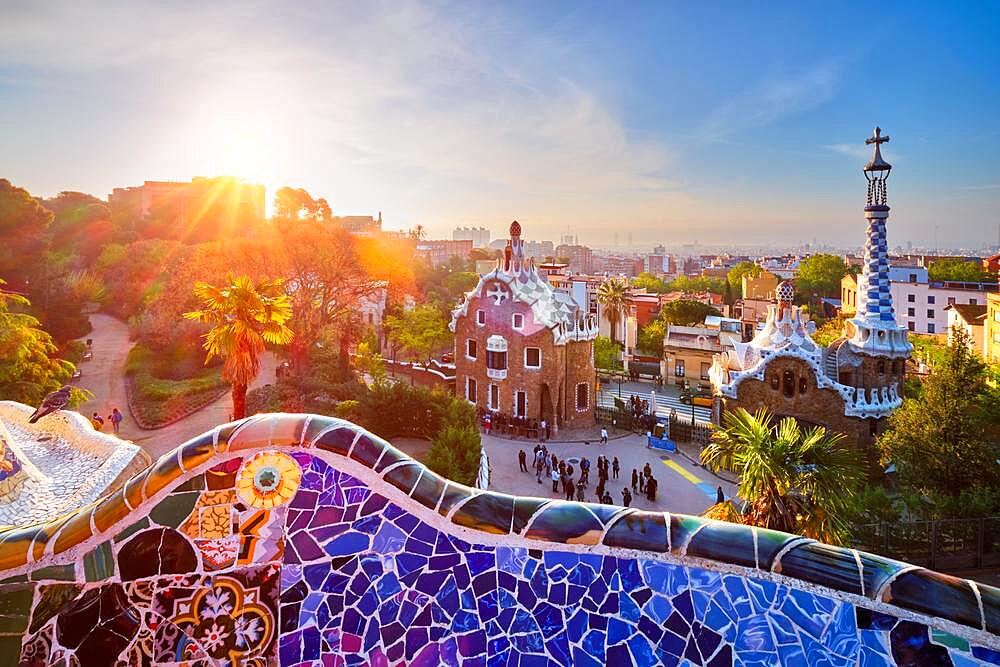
(523, 348)
(851, 386)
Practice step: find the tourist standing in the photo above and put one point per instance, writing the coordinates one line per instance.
(635, 480)
(651, 489)
(580, 486)
(116, 419)
(626, 496)
(585, 471)
(604, 435)
(555, 480)
(97, 421)
(615, 467)
(541, 430)
(538, 470)
(522, 461)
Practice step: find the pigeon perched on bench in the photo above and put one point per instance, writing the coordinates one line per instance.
(57, 400)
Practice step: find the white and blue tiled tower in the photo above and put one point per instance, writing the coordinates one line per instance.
(873, 330)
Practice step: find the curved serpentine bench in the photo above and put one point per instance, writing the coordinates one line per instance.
(302, 539)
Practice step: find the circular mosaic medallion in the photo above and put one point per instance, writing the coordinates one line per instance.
(268, 479)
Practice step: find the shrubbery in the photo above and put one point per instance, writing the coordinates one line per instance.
(169, 383)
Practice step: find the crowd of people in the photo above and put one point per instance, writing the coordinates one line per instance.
(567, 483)
(502, 423)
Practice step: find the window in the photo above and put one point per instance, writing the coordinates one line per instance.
(895, 367)
(518, 322)
(532, 357)
(930, 299)
(873, 427)
(880, 366)
(480, 317)
(496, 361)
(951, 300)
(912, 298)
(582, 396)
(930, 328)
(775, 381)
(788, 383)
(470, 390)
(996, 315)
(911, 312)
(471, 348)
(679, 368)
(521, 404)
(494, 403)
(704, 370)
(803, 384)
(911, 326)
(973, 302)
(913, 277)
(930, 313)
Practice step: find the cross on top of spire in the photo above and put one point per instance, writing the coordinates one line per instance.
(877, 163)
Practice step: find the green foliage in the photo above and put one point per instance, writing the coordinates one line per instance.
(735, 275)
(168, 382)
(612, 294)
(291, 204)
(650, 337)
(455, 453)
(24, 223)
(819, 275)
(607, 354)
(948, 438)
(960, 270)
(419, 332)
(650, 283)
(802, 481)
(929, 349)
(697, 284)
(829, 331)
(368, 361)
(29, 367)
(686, 312)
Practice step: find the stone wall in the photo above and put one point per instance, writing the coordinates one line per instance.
(297, 539)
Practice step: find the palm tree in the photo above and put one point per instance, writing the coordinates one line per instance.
(244, 317)
(613, 297)
(792, 479)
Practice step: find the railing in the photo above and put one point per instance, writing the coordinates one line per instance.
(946, 544)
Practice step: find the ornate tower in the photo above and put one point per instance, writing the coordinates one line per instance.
(873, 330)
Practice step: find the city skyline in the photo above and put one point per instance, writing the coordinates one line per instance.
(667, 123)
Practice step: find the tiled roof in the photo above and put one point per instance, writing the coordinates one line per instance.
(971, 313)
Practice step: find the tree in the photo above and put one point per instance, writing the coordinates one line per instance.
(734, 277)
(418, 233)
(959, 270)
(686, 312)
(29, 367)
(81, 225)
(244, 316)
(829, 331)
(369, 362)
(419, 332)
(650, 283)
(607, 354)
(613, 297)
(696, 284)
(947, 439)
(650, 337)
(819, 275)
(297, 204)
(24, 223)
(797, 480)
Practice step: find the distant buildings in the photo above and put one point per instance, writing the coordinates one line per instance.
(688, 353)
(970, 320)
(991, 329)
(919, 302)
(360, 225)
(480, 236)
(578, 257)
(438, 253)
(524, 348)
(195, 211)
(532, 249)
(761, 286)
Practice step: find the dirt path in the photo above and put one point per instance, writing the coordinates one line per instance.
(104, 375)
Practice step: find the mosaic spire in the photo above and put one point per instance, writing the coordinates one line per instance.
(875, 328)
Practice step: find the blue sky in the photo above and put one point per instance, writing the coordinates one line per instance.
(668, 121)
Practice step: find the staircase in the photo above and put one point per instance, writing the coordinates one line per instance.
(830, 365)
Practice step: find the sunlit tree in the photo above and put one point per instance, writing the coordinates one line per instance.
(799, 480)
(244, 316)
(613, 297)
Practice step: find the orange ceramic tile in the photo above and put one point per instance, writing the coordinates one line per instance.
(196, 451)
(15, 545)
(75, 531)
(133, 488)
(163, 472)
(110, 511)
(254, 433)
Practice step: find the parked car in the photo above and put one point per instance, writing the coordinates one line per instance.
(701, 396)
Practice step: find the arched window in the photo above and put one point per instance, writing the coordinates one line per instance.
(803, 384)
(788, 383)
(880, 366)
(775, 382)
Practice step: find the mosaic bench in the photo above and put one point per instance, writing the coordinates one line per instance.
(305, 540)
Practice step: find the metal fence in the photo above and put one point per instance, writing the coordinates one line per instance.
(947, 544)
(680, 429)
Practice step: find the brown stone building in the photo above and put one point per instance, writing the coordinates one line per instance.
(853, 385)
(524, 348)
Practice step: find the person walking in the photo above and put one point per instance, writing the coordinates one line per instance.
(97, 421)
(604, 435)
(635, 480)
(541, 430)
(585, 471)
(539, 467)
(626, 496)
(555, 480)
(720, 497)
(522, 460)
(646, 470)
(570, 488)
(116, 418)
(651, 489)
(642, 484)
(615, 466)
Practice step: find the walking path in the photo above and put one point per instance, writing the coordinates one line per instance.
(683, 486)
(104, 375)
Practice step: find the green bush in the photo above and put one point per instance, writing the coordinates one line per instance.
(455, 453)
(168, 383)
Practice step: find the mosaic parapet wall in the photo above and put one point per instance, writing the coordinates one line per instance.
(293, 540)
